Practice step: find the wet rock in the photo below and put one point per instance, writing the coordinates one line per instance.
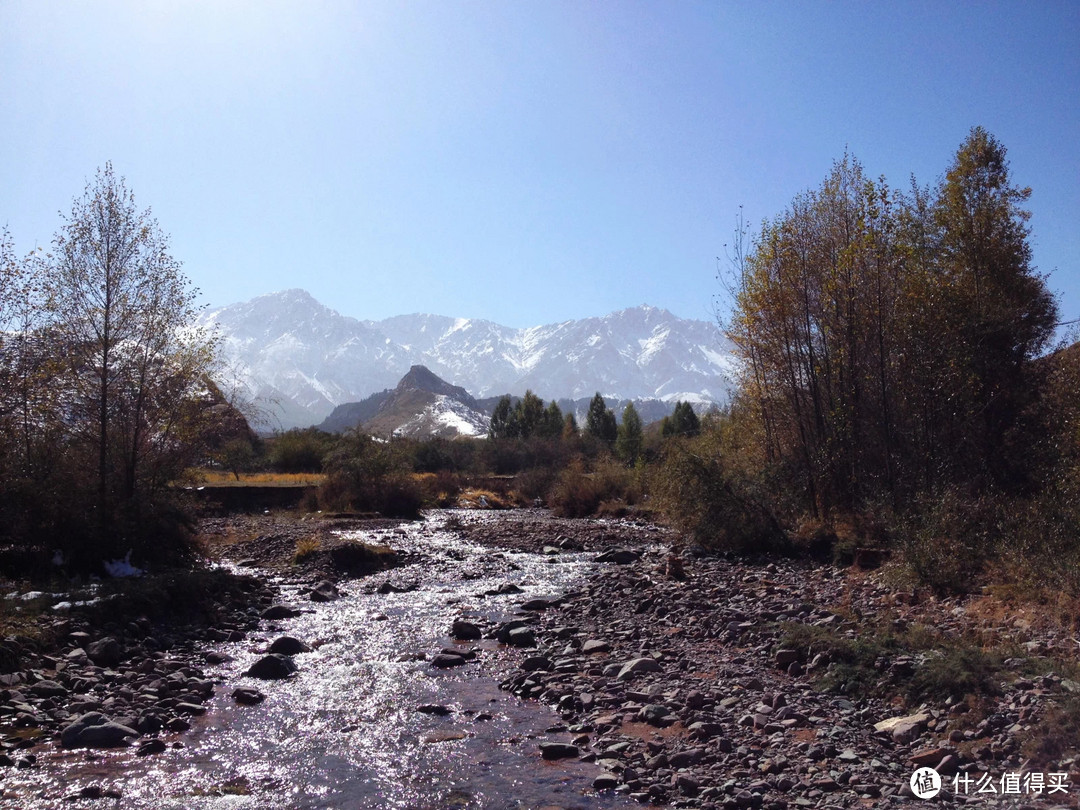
(619, 556)
(325, 591)
(465, 631)
(279, 612)
(536, 663)
(272, 667)
(436, 709)
(288, 645)
(148, 747)
(95, 730)
(557, 750)
(446, 661)
(390, 587)
(521, 637)
(606, 781)
(534, 605)
(247, 696)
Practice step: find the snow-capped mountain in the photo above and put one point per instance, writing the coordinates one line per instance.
(298, 358)
(424, 405)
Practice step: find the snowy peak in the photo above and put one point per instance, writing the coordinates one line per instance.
(422, 404)
(299, 359)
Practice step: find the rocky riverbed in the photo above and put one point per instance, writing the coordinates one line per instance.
(628, 675)
(684, 678)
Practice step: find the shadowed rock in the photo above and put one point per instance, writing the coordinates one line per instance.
(272, 667)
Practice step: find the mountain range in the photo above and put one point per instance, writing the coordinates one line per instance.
(298, 359)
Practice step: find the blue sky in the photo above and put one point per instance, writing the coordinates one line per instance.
(524, 162)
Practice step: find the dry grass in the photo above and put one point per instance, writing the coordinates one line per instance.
(471, 499)
(220, 478)
(305, 547)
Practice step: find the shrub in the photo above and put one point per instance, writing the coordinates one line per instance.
(580, 494)
(367, 475)
(946, 541)
(701, 496)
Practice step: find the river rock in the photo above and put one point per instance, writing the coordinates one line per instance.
(247, 696)
(904, 729)
(105, 652)
(95, 730)
(557, 750)
(619, 556)
(521, 637)
(446, 661)
(465, 631)
(288, 645)
(638, 665)
(46, 689)
(272, 667)
(279, 612)
(148, 747)
(325, 591)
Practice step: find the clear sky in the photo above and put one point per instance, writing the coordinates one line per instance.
(524, 162)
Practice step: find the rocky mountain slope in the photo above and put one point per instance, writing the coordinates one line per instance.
(422, 404)
(298, 358)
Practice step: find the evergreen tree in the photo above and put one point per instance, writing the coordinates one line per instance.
(530, 414)
(503, 420)
(682, 422)
(600, 421)
(630, 439)
(552, 423)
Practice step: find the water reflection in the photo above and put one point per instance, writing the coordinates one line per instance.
(345, 732)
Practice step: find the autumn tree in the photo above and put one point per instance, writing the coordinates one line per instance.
(125, 313)
(996, 313)
(887, 340)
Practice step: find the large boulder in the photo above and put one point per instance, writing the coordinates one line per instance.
(95, 730)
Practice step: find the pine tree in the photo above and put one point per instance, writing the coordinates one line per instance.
(630, 439)
(600, 421)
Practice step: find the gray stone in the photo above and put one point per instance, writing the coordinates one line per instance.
(95, 730)
(638, 665)
(105, 652)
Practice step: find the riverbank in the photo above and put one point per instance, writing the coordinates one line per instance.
(696, 681)
(676, 680)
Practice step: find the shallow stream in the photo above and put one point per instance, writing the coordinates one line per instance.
(345, 733)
